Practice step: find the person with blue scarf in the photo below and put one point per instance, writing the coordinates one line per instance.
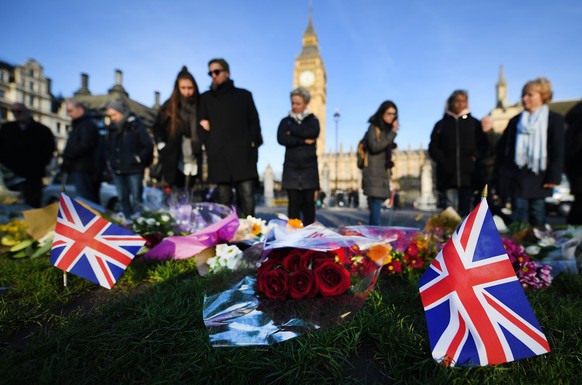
(530, 155)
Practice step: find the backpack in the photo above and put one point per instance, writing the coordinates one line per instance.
(362, 154)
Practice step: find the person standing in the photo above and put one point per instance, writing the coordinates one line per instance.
(457, 143)
(232, 136)
(80, 153)
(298, 132)
(379, 142)
(130, 151)
(530, 154)
(573, 155)
(176, 134)
(26, 148)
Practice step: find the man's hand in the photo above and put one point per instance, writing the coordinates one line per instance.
(205, 124)
(309, 141)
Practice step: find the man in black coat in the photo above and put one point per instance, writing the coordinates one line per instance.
(26, 148)
(80, 154)
(573, 160)
(232, 136)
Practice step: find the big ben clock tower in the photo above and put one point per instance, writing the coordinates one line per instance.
(310, 73)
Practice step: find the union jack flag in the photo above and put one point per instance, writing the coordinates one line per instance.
(475, 308)
(90, 246)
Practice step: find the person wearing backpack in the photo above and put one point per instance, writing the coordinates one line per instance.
(378, 143)
(130, 151)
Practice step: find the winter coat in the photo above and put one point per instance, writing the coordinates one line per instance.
(456, 145)
(26, 152)
(130, 148)
(80, 153)
(232, 144)
(300, 168)
(171, 153)
(376, 175)
(573, 156)
(511, 181)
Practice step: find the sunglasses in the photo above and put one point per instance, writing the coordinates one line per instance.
(214, 72)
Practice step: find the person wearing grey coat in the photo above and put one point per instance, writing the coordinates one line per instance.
(379, 141)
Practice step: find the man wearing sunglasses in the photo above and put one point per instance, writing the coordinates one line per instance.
(26, 148)
(232, 136)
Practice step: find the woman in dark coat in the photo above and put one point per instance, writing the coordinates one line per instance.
(530, 154)
(298, 132)
(379, 141)
(176, 134)
(573, 161)
(457, 143)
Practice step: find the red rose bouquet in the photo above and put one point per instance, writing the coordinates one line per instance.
(300, 273)
(306, 279)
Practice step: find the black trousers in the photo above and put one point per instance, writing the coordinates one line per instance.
(575, 215)
(245, 196)
(301, 205)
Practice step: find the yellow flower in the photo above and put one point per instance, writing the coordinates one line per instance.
(295, 223)
(380, 254)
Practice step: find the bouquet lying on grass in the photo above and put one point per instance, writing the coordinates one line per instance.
(296, 281)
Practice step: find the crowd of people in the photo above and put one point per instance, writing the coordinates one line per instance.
(521, 166)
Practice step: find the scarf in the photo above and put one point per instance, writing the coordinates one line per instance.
(532, 139)
(299, 117)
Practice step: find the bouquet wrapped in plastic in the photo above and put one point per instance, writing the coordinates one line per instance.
(212, 224)
(297, 281)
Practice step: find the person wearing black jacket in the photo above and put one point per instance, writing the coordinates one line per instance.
(573, 161)
(80, 153)
(232, 136)
(130, 151)
(26, 148)
(530, 155)
(176, 134)
(298, 132)
(457, 143)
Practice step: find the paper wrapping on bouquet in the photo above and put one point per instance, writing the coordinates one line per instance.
(235, 314)
(217, 224)
(404, 235)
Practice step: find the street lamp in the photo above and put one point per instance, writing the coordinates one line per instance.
(336, 117)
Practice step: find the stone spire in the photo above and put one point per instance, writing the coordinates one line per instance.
(501, 88)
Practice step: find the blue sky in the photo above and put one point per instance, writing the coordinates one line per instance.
(412, 52)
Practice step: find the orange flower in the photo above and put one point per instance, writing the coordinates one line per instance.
(295, 223)
(380, 254)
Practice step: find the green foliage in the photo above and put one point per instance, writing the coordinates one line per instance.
(149, 330)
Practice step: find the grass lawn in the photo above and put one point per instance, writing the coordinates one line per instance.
(148, 330)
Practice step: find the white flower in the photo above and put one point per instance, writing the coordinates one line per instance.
(140, 220)
(533, 250)
(150, 221)
(165, 217)
(226, 257)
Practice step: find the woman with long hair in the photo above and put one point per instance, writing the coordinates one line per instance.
(176, 134)
(379, 143)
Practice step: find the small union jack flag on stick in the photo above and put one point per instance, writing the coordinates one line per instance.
(90, 246)
(476, 311)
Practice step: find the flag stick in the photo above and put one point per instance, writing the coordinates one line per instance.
(64, 278)
(484, 192)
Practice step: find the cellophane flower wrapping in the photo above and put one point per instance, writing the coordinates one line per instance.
(212, 223)
(237, 312)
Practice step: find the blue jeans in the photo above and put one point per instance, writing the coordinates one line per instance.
(532, 211)
(375, 206)
(130, 191)
(84, 185)
(245, 196)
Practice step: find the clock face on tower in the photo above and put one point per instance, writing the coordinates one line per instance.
(306, 78)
